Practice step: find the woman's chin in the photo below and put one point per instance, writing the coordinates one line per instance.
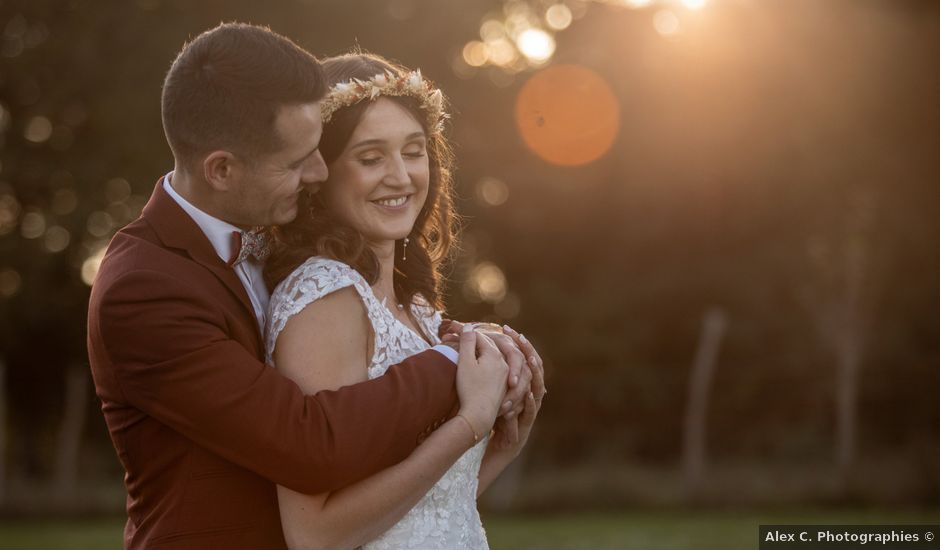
(387, 238)
(396, 233)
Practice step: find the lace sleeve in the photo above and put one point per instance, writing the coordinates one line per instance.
(312, 280)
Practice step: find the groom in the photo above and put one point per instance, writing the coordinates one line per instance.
(203, 428)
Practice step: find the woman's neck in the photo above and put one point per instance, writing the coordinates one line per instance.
(385, 254)
(384, 287)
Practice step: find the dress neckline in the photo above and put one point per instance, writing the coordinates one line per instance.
(390, 313)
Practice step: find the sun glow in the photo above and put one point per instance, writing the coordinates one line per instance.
(522, 37)
(536, 44)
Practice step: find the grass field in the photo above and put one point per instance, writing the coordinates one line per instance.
(642, 529)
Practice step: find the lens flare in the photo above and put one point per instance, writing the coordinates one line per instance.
(38, 130)
(666, 23)
(91, 264)
(488, 282)
(474, 53)
(57, 238)
(492, 192)
(567, 115)
(10, 282)
(33, 225)
(558, 17)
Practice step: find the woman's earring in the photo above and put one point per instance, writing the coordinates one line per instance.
(404, 249)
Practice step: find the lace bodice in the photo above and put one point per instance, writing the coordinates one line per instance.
(446, 517)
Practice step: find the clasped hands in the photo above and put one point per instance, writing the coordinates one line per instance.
(525, 381)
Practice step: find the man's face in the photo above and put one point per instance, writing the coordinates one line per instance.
(267, 192)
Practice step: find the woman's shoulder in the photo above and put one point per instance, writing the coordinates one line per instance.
(320, 265)
(317, 280)
(320, 272)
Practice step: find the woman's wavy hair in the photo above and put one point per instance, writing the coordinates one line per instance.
(318, 232)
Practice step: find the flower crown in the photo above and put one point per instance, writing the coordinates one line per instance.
(346, 94)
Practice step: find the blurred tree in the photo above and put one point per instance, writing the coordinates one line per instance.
(694, 443)
(840, 300)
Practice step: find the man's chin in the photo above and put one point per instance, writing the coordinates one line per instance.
(285, 218)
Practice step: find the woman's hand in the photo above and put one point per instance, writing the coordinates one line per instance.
(503, 438)
(511, 429)
(519, 379)
(512, 434)
(481, 381)
(526, 376)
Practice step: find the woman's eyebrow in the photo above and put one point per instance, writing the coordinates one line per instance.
(376, 141)
(366, 142)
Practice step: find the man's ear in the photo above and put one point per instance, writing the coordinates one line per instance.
(219, 170)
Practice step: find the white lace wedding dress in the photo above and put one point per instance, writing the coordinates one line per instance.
(446, 517)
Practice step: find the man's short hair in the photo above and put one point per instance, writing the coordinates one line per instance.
(225, 88)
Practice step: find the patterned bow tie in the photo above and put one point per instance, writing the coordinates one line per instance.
(252, 243)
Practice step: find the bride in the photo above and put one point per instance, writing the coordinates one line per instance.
(358, 289)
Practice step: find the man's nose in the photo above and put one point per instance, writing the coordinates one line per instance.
(315, 171)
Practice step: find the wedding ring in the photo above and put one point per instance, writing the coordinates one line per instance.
(487, 327)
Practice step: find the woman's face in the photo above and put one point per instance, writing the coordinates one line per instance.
(379, 183)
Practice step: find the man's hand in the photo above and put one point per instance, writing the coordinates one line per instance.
(518, 353)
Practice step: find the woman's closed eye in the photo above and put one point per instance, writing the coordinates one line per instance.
(375, 160)
(415, 150)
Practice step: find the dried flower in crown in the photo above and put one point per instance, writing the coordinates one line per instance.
(345, 94)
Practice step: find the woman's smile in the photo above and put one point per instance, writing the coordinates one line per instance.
(393, 203)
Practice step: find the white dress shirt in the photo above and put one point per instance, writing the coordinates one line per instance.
(249, 272)
(219, 234)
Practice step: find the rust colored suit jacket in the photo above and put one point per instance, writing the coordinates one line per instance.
(203, 428)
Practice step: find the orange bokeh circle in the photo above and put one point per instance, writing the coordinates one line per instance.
(567, 115)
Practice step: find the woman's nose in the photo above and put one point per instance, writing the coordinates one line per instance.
(397, 172)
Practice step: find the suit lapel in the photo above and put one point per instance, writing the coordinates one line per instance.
(178, 230)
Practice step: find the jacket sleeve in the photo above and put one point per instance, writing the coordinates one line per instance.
(172, 357)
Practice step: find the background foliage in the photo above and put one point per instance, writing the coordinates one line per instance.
(776, 163)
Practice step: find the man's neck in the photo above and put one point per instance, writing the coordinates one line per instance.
(197, 194)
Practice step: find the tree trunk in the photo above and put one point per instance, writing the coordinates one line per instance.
(3, 433)
(70, 432)
(848, 346)
(847, 407)
(694, 460)
(842, 310)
